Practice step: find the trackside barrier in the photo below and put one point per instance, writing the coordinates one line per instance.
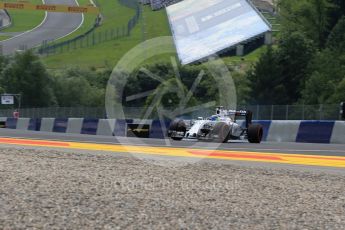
(106, 127)
(315, 131)
(47, 124)
(158, 130)
(3, 122)
(338, 134)
(121, 126)
(283, 131)
(89, 126)
(34, 125)
(275, 131)
(74, 125)
(11, 123)
(60, 125)
(23, 123)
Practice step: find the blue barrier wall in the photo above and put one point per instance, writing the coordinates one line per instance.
(158, 130)
(315, 131)
(89, 126)
(60, 125)
(11, 123)
(34, 124)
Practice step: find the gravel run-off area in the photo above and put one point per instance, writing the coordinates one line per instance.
(50, 189)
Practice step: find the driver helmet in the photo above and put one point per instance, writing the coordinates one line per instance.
(214, 118)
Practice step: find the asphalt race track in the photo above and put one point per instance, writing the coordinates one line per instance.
(302, 155)
(54, 26)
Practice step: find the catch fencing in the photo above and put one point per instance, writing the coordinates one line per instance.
(260, 112)
(93, 37)
(295, 112)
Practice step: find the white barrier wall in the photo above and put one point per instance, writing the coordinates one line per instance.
(23, 123)
(74, 125)
(283, 131)
(338, 135)
(47, 124)
(106, 127)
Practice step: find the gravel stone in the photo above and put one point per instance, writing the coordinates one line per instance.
(50, 189)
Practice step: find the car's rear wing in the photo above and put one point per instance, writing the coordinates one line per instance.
(248, 115)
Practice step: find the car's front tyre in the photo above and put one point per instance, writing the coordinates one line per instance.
(177, 130)
(221, 132)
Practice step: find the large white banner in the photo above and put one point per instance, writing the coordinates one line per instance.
(204, 27)
(7, 99)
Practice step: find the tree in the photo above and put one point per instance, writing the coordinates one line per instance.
(326, 81)
(339, 93)
(3, 62)
(265, 80)
(312, 17)
(75, 87)
(169, 95)
(327, 78)
(195, 80)
(26, 75)
(243, 89)
(336, 39)
(337, 12)
(293, 57)
(280, 74)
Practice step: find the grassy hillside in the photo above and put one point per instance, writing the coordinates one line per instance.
(108, 53)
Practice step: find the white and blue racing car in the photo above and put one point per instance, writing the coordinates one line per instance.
(220, 127)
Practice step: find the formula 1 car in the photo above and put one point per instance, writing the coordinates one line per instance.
(220, 127)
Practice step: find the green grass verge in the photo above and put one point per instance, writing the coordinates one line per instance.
(249, 58)
(23, 20)
(114, 14)
(4, 37)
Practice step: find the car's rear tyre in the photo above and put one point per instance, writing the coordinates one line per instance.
(177, 126)
(255, 133)
(221, 132)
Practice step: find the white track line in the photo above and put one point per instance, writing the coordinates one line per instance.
(81, 23)
(93, 3)
(28, 31)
